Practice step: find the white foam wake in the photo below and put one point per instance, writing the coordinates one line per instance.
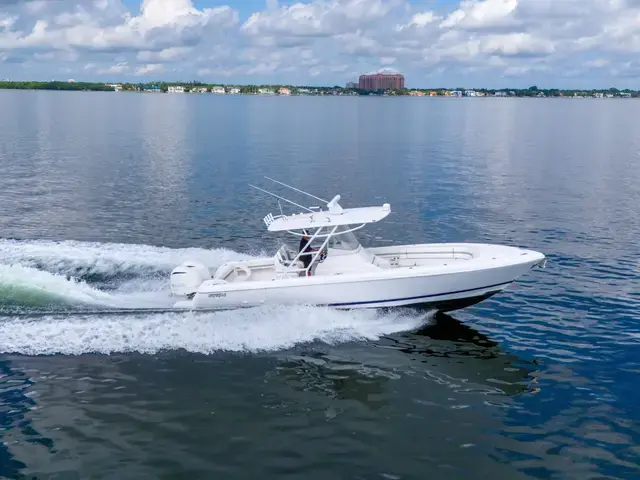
(106, 259)
(35, 273)
(25, 286)
(250, 330)
(32, 288)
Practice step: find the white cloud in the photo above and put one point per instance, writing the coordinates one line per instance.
(419, 21)
(482, 13)
(149, 68)
(160, 24)
(317, 18)
(520, 70)
(166, 55)
(516, 44)
(479, 42)
(57, 56)
(6, 22)
(114, 69)
(423, 19)
(359, 43)
(597, 63)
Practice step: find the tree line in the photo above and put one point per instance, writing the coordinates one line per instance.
(56, 85)
(162, 86)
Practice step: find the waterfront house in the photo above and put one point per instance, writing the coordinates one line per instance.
(285, 91)
(175, 89)
(218, 90)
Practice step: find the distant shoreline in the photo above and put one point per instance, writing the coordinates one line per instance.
(288, 90)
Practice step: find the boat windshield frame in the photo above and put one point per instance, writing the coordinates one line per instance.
(351, 241)
(344, 240)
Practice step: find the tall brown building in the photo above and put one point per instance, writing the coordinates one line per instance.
(381, 81)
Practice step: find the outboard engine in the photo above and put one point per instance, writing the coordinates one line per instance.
(186, 278)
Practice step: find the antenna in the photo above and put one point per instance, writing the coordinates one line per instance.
(298, 190)
(282, 198)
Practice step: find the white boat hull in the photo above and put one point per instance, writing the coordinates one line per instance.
(446, 282)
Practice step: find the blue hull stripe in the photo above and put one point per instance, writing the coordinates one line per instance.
(421, 297)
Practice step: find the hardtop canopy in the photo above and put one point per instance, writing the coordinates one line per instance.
(316, 218)
(347, 216)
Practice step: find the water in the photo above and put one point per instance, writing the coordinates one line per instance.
(103, 194)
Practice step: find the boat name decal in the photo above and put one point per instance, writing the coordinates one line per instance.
(217, 295)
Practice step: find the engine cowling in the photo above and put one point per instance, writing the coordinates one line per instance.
(186, 278)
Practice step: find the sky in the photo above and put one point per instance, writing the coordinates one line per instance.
(434, 43)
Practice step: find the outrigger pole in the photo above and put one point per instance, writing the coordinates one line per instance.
(287, 200)
(282, 198)
(298, 190)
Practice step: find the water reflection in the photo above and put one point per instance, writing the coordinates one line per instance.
(165, 125)
(459, 360)
(17, 429)
(171, 399)
(554, 175)
(467, 359)
(334, 377)
(311, 402)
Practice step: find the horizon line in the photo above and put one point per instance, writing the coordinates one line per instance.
(203, 83)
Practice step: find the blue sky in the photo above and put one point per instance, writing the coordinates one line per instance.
(246, 7)
(450, 43)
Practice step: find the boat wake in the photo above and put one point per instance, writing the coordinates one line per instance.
(74, 297)
(45, 274)
(251, 330)
(22, 286)
(104, 262)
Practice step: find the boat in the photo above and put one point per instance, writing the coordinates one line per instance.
(342, 273)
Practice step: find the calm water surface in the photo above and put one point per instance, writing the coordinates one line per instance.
(103, 194)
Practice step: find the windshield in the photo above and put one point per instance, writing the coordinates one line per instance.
(344, 241)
